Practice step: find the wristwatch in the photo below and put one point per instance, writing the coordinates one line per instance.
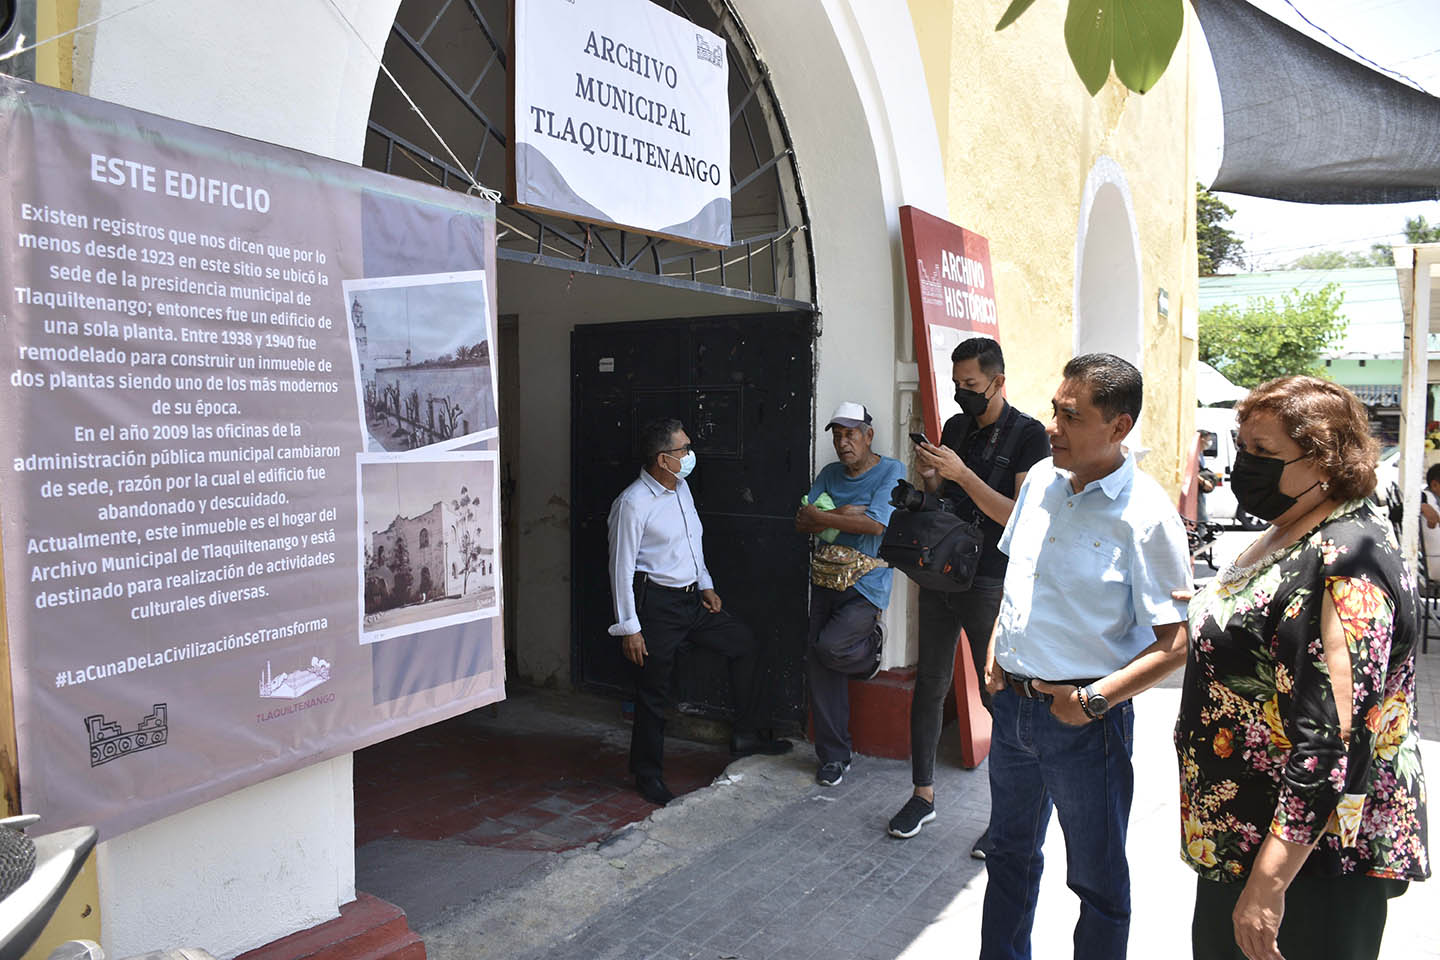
(1093, 702)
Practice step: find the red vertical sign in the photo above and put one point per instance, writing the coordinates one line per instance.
(952, 297)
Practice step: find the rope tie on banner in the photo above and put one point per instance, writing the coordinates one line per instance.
(20, 40)
(475, 186)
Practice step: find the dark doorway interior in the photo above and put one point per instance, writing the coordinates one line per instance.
(743, 386)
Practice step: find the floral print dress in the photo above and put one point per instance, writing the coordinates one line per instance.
(1258, 737)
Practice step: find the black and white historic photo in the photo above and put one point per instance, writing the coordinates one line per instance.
(430, 529)
(423, 364)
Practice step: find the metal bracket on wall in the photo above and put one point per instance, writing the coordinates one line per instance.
(907, 376)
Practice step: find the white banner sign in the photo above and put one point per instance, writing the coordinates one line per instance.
(622, 115)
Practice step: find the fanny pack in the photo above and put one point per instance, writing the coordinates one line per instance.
(837, 567)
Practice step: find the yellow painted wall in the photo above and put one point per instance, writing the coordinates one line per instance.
(54, 62)
(78, 915)
(1019, 135)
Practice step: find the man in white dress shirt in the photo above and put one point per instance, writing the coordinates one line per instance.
(665, 602)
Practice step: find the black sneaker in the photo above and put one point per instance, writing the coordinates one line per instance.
(879, 652)
(915, 814)
(981, 848)
(830, 774)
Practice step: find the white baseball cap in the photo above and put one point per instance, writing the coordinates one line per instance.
(850, 414)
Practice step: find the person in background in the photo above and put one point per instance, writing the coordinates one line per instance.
(847, 592)
(665, 603)
(1087, 621)
(984, 453)
(1430, 521)
(1205, 478)
(1302, 799)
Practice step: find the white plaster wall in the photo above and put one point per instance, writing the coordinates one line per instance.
(290, 73)
(277, 857)
(235, 873)
(858, 109)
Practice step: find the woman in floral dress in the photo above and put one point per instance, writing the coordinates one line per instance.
(1302, 799)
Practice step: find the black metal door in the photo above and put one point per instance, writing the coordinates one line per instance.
(742, 386)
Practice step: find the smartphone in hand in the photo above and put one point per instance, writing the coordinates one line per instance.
(918, 438)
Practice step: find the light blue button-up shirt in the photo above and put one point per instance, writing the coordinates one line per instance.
(656, 532)
(1090, 573)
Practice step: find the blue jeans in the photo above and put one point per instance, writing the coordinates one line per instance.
(1037, 762)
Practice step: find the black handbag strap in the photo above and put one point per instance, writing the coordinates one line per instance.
(1008, 443)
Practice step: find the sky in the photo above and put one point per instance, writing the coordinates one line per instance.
(409, 489)
(431, 320)
(1403, 35)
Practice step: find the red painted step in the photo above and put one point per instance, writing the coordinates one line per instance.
(368, 928)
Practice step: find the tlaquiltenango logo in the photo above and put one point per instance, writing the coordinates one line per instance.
(709, 51)
(109, 740)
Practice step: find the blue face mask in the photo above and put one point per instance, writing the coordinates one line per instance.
(687, 465)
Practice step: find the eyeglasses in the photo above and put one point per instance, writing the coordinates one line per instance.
(685, 449)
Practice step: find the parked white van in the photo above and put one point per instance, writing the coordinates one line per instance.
(1219, 456)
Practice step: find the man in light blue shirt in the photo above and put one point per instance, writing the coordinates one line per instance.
(845, 633)
(1087, 621)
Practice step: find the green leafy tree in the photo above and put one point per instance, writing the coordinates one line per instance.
(1418, 231)
(1378, 255)
(1215, 243)
(1268, 339)
(1321, 260)
(1137, 36)
(400, 566)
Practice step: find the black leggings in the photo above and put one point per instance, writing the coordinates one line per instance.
(942, 617)
(1326, 918)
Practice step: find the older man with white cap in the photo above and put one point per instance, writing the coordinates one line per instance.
(849, 587)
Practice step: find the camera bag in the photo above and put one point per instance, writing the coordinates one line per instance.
(935, 548)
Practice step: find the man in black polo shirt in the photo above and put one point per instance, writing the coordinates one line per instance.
(985, 451)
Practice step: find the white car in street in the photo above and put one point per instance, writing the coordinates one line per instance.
(1219, 454)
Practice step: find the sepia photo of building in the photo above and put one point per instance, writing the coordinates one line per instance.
(430, 535)
(446, 550)
(423, 360)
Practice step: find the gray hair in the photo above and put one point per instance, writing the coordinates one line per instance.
(655, 438)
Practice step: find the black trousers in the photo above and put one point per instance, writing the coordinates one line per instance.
(1326, 918)
(942, 617)
(673, 621)
(842, 643)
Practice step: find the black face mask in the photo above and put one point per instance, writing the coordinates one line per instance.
(973, 402)
(1256, 483)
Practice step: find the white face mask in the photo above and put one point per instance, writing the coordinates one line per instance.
(687, 465)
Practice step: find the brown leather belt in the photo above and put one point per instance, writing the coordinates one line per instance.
(1024, 686)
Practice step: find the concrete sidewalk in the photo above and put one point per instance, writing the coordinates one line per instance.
(766, 864)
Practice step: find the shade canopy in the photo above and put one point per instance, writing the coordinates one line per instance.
(1213, 389)
(1305, 123)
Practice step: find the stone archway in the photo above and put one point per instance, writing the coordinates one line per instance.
(1109, 313)
(453, 60)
